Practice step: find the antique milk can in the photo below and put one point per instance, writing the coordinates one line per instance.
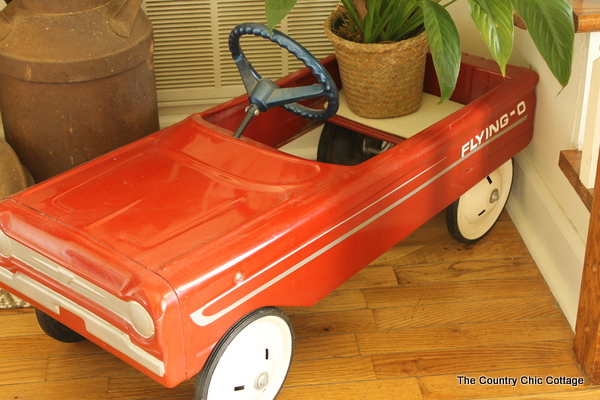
(76, 80)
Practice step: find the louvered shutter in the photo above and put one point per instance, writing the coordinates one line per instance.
(192, 60)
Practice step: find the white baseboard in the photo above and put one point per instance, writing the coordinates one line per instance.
(551, 238)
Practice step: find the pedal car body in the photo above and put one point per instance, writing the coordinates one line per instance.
(156, 250)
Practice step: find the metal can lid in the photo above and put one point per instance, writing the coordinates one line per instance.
(78, 47)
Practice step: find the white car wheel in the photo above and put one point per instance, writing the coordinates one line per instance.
(251, 361)
(474, 214)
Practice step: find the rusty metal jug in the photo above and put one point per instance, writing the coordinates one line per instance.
(76, 80)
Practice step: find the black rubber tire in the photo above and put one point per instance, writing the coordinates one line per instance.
(57, 330)
(343, 146)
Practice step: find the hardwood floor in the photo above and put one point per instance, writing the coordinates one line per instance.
(420, 322)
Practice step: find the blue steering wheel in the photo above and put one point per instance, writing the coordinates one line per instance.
(264, 94)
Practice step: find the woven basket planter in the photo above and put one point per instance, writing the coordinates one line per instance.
(381, 80)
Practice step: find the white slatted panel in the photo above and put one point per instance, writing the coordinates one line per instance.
(183, 53)
(191, 55)
(305, 24)
(267, 59)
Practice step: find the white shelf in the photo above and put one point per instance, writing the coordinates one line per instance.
(408, 125)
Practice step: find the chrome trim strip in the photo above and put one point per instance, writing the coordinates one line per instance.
(53, 301)
(82, 286)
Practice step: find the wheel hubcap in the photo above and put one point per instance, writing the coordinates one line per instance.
(262, 381)
(494, 196)
(480, 206)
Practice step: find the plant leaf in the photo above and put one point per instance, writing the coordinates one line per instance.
(276, 10)
(368, 22)
(444, 43)
(550, 25)
(494, 20)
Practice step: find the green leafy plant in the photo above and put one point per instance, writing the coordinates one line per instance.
(549, 23)
(388, 21)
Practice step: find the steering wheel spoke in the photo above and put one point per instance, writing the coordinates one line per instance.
(265, 94)
(249, 76)
(284, 96)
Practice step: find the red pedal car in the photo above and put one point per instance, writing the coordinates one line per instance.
(173, 252)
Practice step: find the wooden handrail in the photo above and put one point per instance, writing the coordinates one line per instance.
(587, 331)
(586, 344)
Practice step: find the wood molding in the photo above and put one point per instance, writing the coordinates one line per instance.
(586, 15)
(569, 162)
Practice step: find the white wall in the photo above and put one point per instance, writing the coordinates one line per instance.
(548, 213)
(2, 5)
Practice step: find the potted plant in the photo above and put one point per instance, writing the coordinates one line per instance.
(375, 22)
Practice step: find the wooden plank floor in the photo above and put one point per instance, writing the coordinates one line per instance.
(407, 327)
